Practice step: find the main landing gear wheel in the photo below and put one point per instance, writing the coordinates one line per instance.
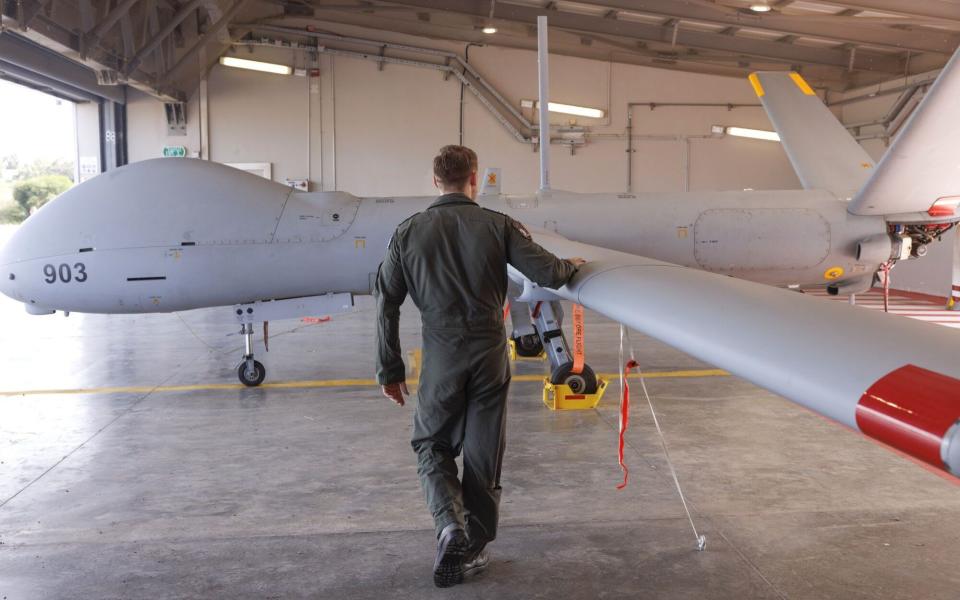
(251, 375)
(528, 345)
(584, 382)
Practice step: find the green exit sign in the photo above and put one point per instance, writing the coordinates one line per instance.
(175, 151)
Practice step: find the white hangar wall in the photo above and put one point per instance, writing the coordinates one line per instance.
(374, 132)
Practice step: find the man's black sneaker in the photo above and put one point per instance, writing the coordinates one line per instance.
(451, 548)
(475, 562)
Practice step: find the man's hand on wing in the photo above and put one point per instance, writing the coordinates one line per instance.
(395, 392)
(576, 261)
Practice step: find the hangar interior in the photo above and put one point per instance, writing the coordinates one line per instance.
(136, 467)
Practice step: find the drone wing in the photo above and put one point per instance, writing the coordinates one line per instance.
(892, 378)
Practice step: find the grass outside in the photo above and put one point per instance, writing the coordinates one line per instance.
(6, 192)
(6, 199)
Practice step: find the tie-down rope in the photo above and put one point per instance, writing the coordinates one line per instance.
(625, 368)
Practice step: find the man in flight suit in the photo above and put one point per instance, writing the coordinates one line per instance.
(452, 259)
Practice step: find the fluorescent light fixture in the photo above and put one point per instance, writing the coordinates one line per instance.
(760, 7)
(489, 30)
(567, 109)
(757, 134)
(255, 65)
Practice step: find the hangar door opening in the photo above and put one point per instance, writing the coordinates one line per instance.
(38, 151)
(59, 121)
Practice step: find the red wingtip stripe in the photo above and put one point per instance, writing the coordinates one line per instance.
(911, 409)
(940, 211)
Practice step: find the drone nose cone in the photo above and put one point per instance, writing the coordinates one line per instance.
(6, 284)
(10, 260)
(7, 276)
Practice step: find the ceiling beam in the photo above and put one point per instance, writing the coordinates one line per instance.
(215, 30)
(92, 38)
(22, 53)
(31, 10)
(562, 43)
(654, 33)
(459, 28)
(185, 11)
(941, 42)
(64, 40)
(12, 72)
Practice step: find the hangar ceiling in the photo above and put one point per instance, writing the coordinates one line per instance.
(165, 46)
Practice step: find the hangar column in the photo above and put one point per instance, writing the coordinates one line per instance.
(113, 135)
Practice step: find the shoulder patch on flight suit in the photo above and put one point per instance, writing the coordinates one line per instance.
(523, 230)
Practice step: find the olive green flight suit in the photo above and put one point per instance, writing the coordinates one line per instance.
(452, 260)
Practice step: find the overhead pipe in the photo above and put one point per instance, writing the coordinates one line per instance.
(880, 91)
(727, 105)
(467, 82)
(486, 85)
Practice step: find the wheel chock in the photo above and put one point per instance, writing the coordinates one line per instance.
(515, 357)
(560, 397)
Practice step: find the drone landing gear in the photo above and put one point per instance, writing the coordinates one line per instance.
(547, 320)
(538, 331)
(528, 346)
(251, 372)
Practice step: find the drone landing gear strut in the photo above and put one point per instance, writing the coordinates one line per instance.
(251, 372)
(538, 329)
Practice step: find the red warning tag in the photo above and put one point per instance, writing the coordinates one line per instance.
(624, 417)
(578, 348)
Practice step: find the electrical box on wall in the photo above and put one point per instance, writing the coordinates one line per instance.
(176, 113)
(302, 185)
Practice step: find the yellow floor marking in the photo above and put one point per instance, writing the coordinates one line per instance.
(313, 383)
(648, 375)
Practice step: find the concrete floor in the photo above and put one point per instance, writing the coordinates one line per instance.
(216, 491)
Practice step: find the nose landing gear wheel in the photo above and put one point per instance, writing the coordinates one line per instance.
(528, 345)
(251, 375)
(584, 382)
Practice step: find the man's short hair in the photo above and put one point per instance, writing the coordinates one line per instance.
(453, 165)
